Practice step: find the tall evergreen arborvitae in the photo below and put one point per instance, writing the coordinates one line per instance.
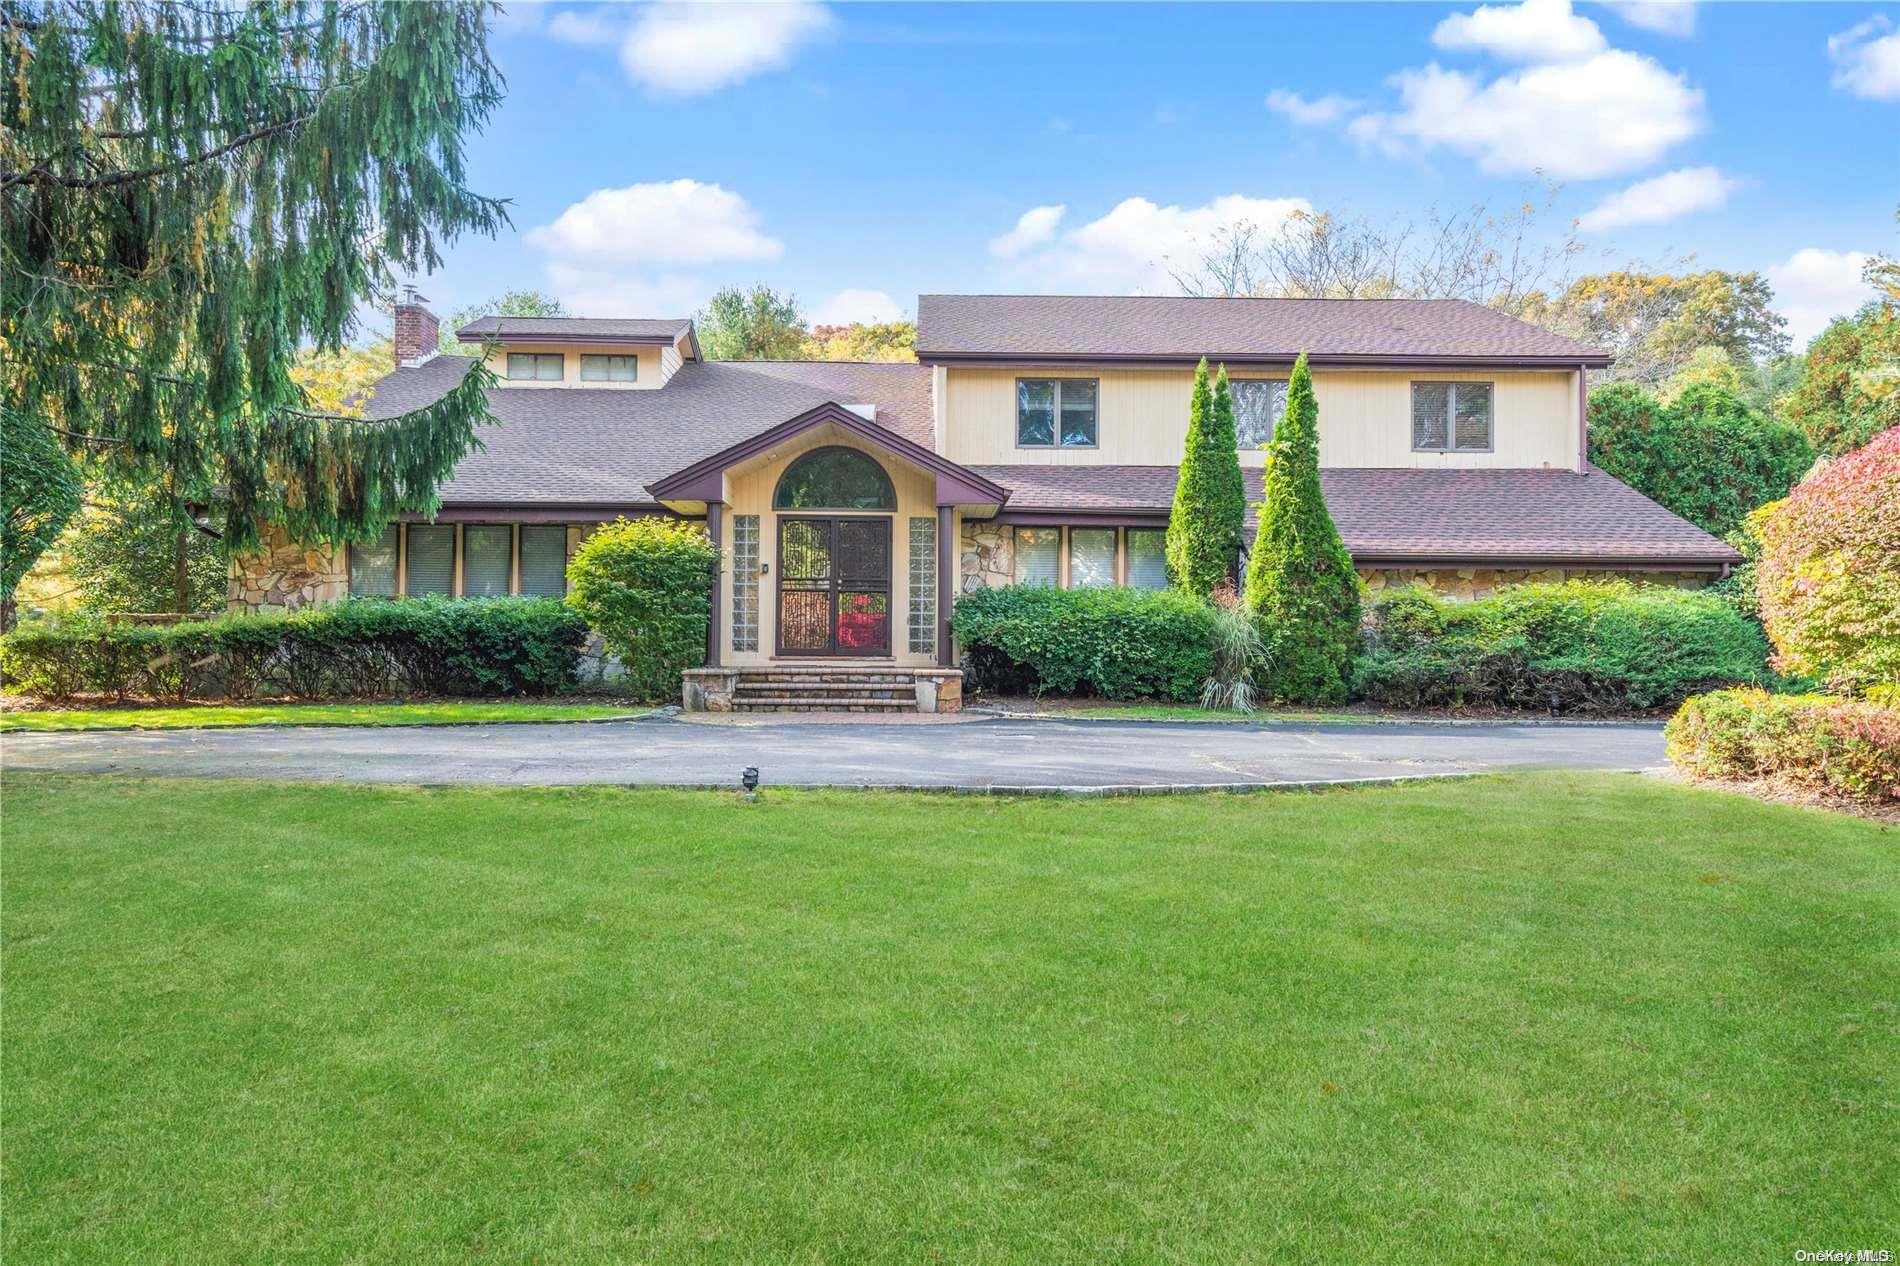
(1301, 586)
(1230, 486)
(190, 192)
(1204, 525)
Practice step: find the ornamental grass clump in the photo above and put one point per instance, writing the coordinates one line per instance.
(1237, 651)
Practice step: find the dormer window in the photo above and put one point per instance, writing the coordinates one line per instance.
(1055, 412)
(610, 368)
(535, 366)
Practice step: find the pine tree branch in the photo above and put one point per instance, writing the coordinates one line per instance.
(41, 175)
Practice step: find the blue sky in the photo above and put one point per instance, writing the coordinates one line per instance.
(859, 154)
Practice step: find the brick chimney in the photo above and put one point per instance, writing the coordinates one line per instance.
(416, 329)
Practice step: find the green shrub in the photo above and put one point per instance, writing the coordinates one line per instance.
(1115, 643)
(1706, 455)
(1301, 587)
(1829, 571)
(1845, 747)
(645, 585)
(1581, 646)
(363, 647)
(1210, 497)
(1237, 653)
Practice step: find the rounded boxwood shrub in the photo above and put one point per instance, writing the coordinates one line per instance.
(645, 585)
(1114, 643)
(1582, 646)
(1846, 747)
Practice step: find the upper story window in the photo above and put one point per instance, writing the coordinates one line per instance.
(609, 368)
(1259, 404)
(1451, 417)
(1055, 412)
(535, 366)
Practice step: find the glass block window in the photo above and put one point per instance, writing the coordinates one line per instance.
(609, 368)
(543, 560)
(1147, 558)
(373, 566)
(745, 582)
(1091, 557)
(923, 586)
(487, 552)
(1451, 417)
(1259, 404)
(431, 562)
(1038, 556)
(535, 366)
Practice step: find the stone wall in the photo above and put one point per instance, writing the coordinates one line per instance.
(284, 576)
(988, 556)
(1482, 582)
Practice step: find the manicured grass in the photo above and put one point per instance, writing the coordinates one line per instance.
(1552, 1018)
(446, 713)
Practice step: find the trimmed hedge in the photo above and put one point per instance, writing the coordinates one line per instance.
(1581, 646)
(1114, 643)
(362, 647)
(646, 585)
(1846, 747)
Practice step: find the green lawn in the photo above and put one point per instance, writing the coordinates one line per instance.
(445, 713)
(1558, 1018)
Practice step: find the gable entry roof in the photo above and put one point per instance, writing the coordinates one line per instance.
(1054, 328)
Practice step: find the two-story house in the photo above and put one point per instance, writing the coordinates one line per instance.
(1037, 439)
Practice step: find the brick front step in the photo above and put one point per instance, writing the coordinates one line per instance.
(831, 687)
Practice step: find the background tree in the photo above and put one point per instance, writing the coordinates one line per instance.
(1500, 260)
(1210, 501)
(190, 192)
(755, 324)
(1850, 388)
(1706, 455)
(40, 489)
(1301, 586)
(894, 341)
(123, 554)
(1654, 324)
(520, 303)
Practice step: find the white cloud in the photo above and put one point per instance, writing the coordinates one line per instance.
(664, 223)
(1033, 227)
(1131, 249)
(629, 251)
(1867, 59)
(575, 26)
(1534, 31)
(1660, 199)
(685, 48)
(1317, 112)
(1813, 286)
(1665, 17)
(1602, 116)
(848, 307)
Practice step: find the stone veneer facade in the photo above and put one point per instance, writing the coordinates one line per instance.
(988, 556)
(284, 576)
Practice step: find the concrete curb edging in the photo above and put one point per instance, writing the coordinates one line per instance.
(331, 725)
(1343, 718)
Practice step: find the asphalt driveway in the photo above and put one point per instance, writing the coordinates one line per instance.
(999, 754)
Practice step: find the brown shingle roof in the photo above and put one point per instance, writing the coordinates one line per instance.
(1124, 327)
(635, 328)
(594, 446)
(1439, 515)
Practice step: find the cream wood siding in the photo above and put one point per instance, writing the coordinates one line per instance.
(647, 376)
(669, 361)
(1364, 418)
(749, 491)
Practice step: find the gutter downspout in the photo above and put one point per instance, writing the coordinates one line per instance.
(1583, 419)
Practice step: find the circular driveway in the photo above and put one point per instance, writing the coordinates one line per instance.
(1001, 754)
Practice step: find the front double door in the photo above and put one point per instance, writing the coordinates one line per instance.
(834, 586)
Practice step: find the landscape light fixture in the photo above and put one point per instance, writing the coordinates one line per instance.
(749, 779)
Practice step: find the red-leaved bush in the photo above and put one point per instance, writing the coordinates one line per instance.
(1845, 747)
(1829, 573)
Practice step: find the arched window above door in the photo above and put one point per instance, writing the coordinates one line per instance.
(834, 479)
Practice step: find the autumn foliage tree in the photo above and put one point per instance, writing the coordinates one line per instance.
(1829, 572)
(190, 193)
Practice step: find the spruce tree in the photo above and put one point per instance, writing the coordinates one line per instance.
(190, 192)
(1199, 539)
(1301, 586)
